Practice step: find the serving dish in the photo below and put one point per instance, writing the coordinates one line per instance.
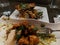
(38, 24)
(45, 17)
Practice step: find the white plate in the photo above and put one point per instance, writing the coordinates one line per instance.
(50, 25)
(43, 9)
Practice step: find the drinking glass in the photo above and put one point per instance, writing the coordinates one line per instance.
(53, 4)
(4, 6)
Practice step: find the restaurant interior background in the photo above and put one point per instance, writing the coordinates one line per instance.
(52, 12)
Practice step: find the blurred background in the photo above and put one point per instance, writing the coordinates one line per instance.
(53, 6)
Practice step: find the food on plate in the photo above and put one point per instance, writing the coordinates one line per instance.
(4, 17)
(23, 41)
(34, 40)
(25, 6)
(4, 29)
(31, 40)
(24, 33)
(47, 39)
(11, 38)
(28, 11)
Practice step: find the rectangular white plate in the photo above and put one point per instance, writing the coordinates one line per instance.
(43, 9)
